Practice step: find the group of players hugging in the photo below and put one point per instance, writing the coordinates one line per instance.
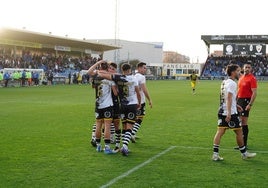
(119, 97)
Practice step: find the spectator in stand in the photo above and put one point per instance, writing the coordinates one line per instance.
(69, 77)
(23, 78)
(215, 65)
(29, 78)
(1, 78)
(74, 78)
(36, 78)
(19, 77)
(15, 77)
(6, 78)
(79, 78)
(50, 78)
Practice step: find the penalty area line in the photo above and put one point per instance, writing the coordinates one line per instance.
(137, 167)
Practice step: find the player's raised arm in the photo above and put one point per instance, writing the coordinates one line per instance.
(91, 71)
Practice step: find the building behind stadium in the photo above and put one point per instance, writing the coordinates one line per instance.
(131, 51)
(161, 64)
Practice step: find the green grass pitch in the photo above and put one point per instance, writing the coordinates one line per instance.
(45, 133)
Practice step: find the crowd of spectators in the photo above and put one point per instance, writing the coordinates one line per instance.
(215, 66)
(62, 63)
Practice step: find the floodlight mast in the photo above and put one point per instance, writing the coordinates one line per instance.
(116, 32)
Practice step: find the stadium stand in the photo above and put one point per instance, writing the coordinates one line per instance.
(237, 49)
(214, 66)
(60, 56)
(61, 66)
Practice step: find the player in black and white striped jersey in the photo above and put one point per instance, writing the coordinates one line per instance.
(104, 104)
(130, 100)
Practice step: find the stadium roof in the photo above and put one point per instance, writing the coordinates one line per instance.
(221, 39)
(40, 40)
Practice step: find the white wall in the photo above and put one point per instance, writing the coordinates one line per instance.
(150, 53)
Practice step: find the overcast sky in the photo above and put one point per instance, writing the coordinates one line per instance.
(179, 24)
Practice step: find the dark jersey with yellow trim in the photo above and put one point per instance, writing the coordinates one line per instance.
(193, 77)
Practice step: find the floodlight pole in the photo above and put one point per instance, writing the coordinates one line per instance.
(116, 32)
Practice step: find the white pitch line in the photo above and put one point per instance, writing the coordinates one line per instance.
(158, 155)
(203, 148)
(137, 167)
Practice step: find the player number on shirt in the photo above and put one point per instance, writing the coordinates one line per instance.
(99, 93)
(126, 91)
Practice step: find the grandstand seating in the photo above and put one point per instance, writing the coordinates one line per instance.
(62, 64)
(214, 66)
